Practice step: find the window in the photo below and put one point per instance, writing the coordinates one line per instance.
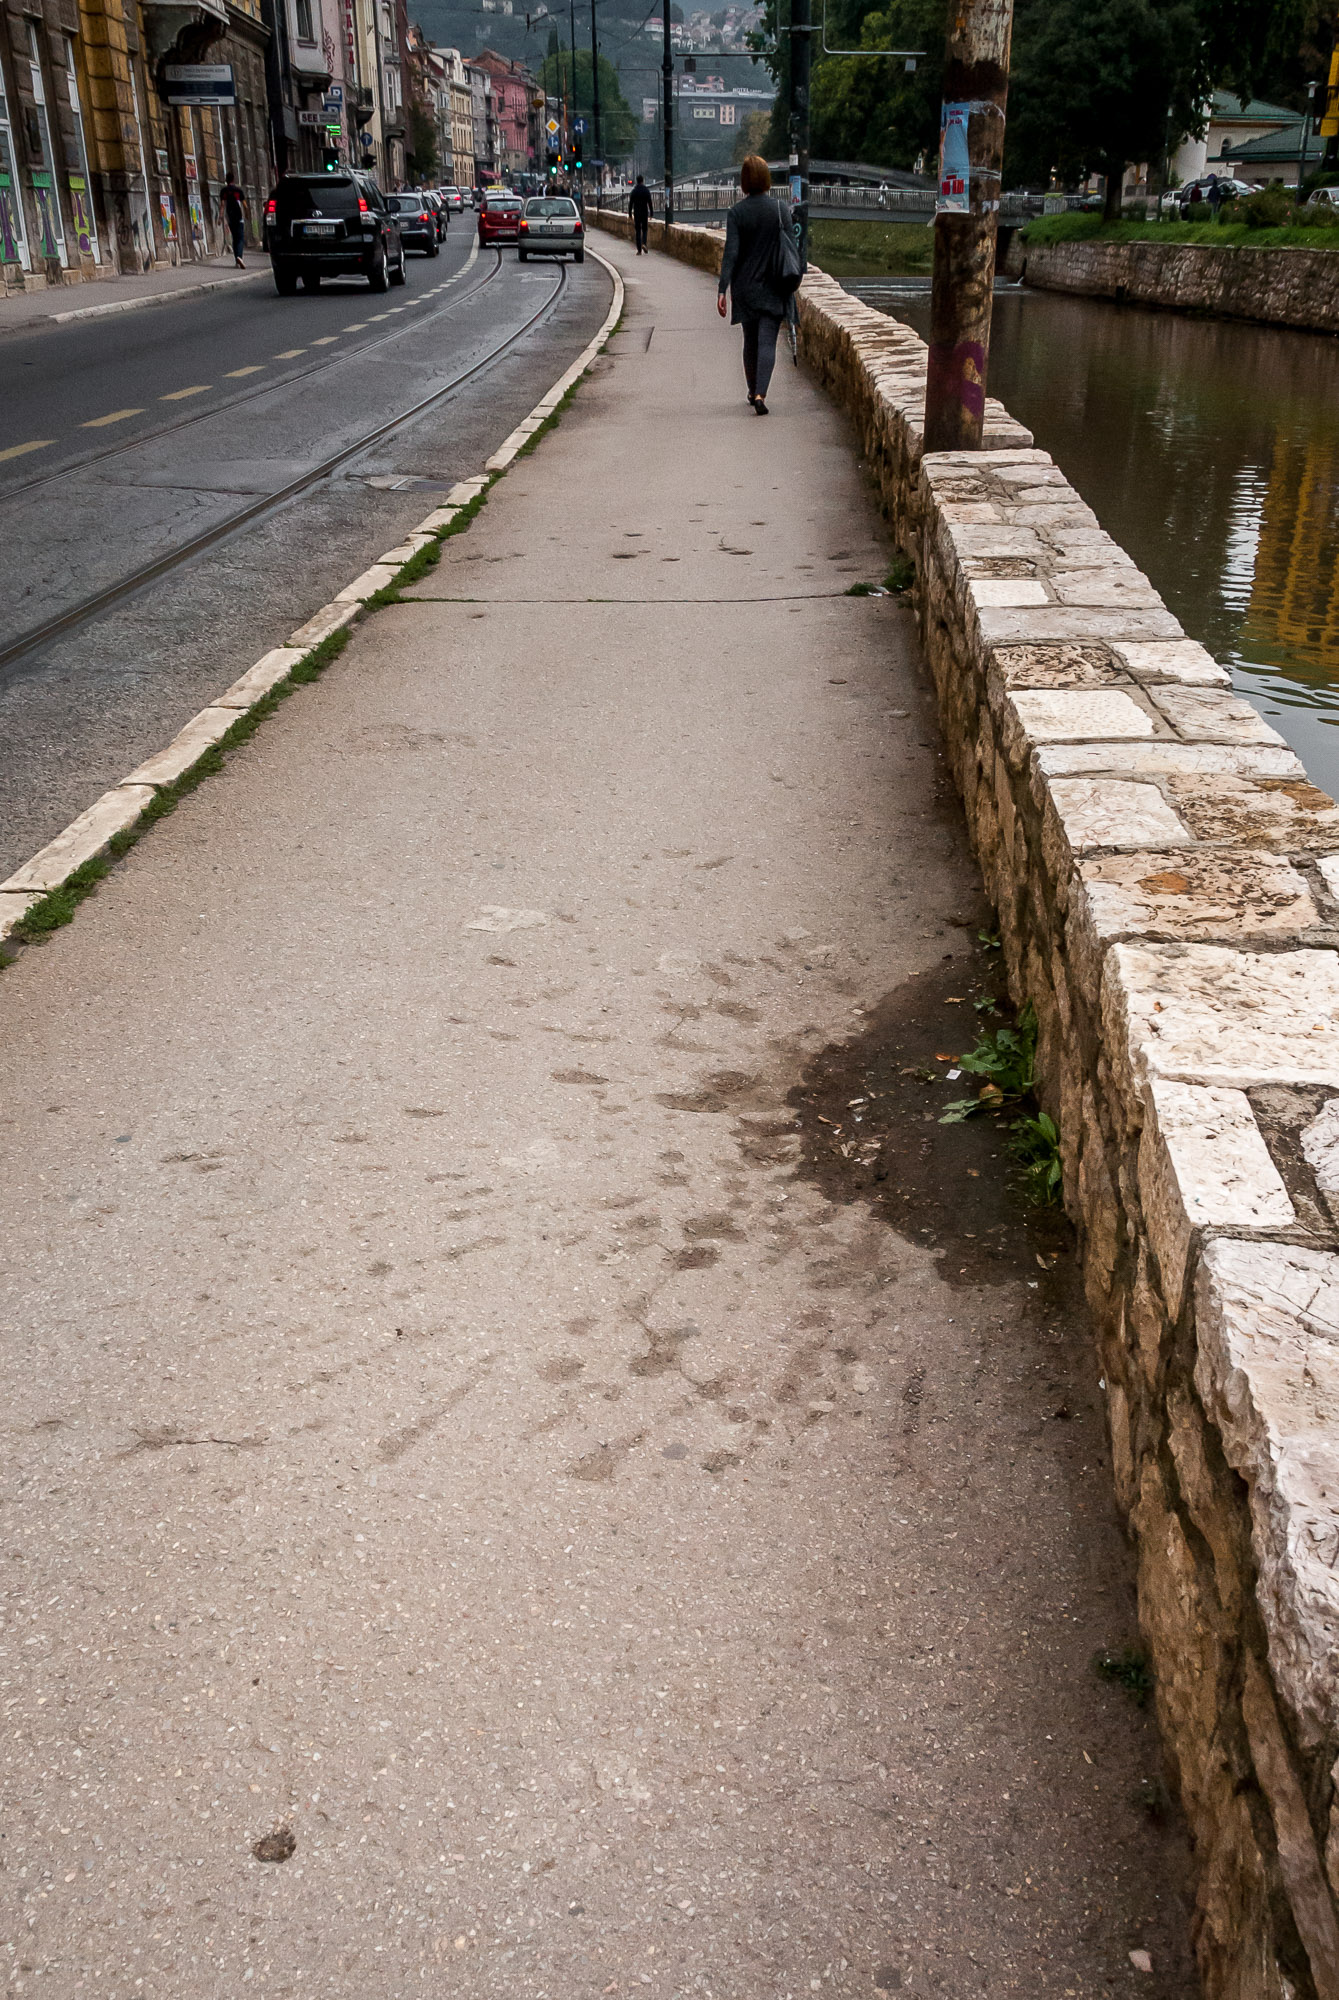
(50, 228)
(81, 194)
(13, 241)
(303, 11)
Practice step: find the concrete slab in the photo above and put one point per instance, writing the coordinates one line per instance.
(453, 1438)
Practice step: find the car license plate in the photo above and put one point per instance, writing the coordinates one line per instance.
(320, 228)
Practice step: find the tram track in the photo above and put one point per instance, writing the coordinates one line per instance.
(97, 602)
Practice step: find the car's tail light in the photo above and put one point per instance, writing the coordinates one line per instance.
(271, 209)
(363, 208)
(576, 229)
(424, 216)
(524, 223)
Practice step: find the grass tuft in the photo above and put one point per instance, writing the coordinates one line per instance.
(1128, 1669)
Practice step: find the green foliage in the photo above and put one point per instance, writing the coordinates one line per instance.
(1006, 1058)
(1267, 208)
(1036, 1146)
(1300, 233)
(901, 576)
(421, 154)
(619, 130)
(1095, 86)
(1128, 1669)
(868, 249)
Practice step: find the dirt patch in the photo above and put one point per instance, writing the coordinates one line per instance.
(869, 1113)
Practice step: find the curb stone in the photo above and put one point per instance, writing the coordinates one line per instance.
(118, 810)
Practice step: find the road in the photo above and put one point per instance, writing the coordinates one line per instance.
(124, 440)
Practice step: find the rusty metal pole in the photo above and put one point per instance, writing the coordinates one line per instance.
(976, 83)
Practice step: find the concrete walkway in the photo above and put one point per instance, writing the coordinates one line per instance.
(55, 304)
(461, 1419)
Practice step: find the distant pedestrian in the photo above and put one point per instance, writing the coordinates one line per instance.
(1216, 195)
(233, 207)
(760, 270)
(639, 204)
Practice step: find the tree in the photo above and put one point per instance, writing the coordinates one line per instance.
(752, 136)
(1096, 86)
(618, 128)
(421, 153)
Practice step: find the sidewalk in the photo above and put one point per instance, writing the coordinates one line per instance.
(460, 1411)
(58, 304)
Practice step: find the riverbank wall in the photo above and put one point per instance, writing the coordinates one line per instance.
(1167, 885)
(1278, 287)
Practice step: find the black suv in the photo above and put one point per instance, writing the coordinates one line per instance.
(324, 225)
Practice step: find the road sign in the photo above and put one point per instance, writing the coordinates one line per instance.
(551, 125)
(199, 83)
(335, 94)
(578, 124)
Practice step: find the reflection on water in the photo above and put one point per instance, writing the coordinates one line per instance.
(1211, 452)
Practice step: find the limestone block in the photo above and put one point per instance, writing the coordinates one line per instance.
(1113, 586)
(1208, 715)
(1163, 757)
(1206, 897)
(80, 841)
(1290, 815)
(1299, 1863)
(977, 539)
(1267, 1370)
(1080, 715)
(13, 908)
(186, 748)
(1005, 626)
(257, 681)
(1006, 590)
(329, 619)
(1201, 1013)
(1072, 513)
(378, 577)
(1183, 660)
(1203, 1165)
(1328, 864)
(1107, 812)
(1213, 1504)
(1320, 1147)
(1057, 666)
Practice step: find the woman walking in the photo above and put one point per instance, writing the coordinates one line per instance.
(758, 232)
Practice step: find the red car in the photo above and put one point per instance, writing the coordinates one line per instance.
(500, 219)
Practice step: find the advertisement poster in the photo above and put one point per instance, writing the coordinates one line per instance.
(954, 172)
(82, 212)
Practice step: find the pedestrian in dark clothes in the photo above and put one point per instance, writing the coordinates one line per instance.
(749, 273)
(640, 206)
(233, 206)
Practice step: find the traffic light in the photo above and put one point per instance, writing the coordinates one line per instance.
(330, 159)
(576, 155)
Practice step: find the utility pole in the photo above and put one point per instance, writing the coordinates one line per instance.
(595, 104)
(667, 115)
(572, 33)
(971, 148)
(801, 65)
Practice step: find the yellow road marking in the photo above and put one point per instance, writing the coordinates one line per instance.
(326, 340)
(115, 417)
(235, 373)
(33, 444)
(357, 326)
(180, 395)
(376, 319)
(290, 354)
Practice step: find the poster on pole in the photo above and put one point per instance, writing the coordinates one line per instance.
(954, 169)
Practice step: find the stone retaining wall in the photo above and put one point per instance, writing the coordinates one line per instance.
(1283, 287)
(1167, 882)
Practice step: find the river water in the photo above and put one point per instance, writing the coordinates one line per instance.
(1210, 451)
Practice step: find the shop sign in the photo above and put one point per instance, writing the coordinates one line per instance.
(199, 83)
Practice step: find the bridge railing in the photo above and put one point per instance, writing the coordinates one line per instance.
(708, 198)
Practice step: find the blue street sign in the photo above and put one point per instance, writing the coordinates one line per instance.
(578, 124)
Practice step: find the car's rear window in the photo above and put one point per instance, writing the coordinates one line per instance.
(504, 204)
(554, 205)
(318, 194)
(406, 204)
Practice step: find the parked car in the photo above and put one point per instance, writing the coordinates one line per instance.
(454, 198)
(551, 227)
(499, 219)
(1230, 190)
(1327, 197)
(330, 225)
(441, 215)
(418, 222)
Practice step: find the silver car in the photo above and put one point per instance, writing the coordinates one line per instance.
(551, 226)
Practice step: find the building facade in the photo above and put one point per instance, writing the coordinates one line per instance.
(515, 89)
(110, 162)
(483, 119)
